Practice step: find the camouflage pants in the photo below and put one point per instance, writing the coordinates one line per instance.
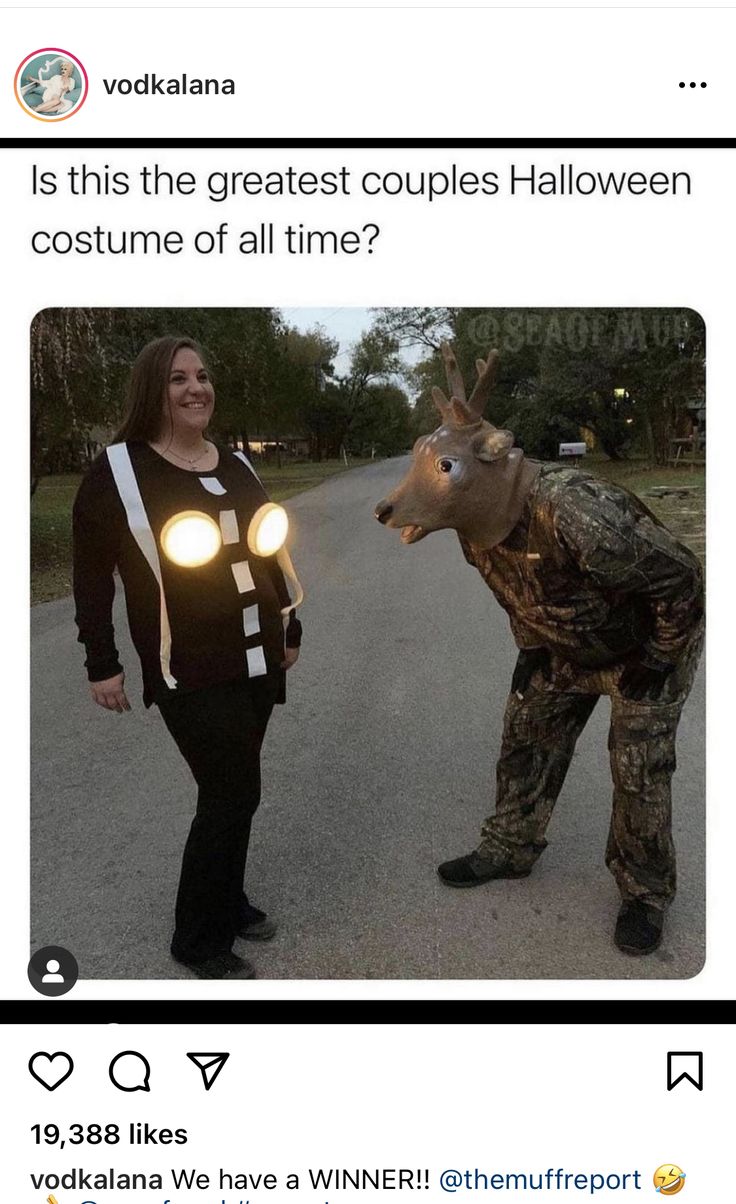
(539, 737)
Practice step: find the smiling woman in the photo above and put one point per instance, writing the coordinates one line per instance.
(207, 623)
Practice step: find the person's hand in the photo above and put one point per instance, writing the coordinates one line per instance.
(641, 683)
(531, 661)
(110, 694)
(291, 656)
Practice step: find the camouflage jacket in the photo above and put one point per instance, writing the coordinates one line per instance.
(590, 573)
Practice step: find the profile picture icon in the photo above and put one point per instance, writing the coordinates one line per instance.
(51, 84)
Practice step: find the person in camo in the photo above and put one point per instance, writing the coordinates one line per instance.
(602, 599)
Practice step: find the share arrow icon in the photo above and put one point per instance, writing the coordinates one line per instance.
(210, 1065)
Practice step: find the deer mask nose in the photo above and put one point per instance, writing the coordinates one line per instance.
(383, 511)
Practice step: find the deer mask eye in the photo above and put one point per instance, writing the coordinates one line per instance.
(445, 464)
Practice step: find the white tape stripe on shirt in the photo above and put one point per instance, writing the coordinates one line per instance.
(130, 495)
(212, 485)
(229, 526)
(242, 456)
(256, 662)
(243, 577)
(251, 622)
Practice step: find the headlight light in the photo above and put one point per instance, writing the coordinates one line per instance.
(267, 530)
(191, 539)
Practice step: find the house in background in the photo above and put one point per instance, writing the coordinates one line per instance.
(269, 446)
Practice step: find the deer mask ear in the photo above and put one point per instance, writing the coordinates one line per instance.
(492, 445)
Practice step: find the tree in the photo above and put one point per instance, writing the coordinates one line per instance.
(473, 333)
(81, 359)
(381, 421)
(374, 361)
(320, 410)
(664, 372)
(374, 357)
(74, 380)
(413, 326)
(626, 374)
(540, 431)
(327, 419)
(243, 353)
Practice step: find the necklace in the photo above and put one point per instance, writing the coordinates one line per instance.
(186, 459)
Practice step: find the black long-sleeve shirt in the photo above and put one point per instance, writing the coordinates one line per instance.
(211, 609)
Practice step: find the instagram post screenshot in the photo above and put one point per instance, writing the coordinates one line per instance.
(360, 416)
(368, 502)
(353, 1112)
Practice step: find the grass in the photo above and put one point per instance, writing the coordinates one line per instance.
(51, 537)
(283, 482)
(51, 519)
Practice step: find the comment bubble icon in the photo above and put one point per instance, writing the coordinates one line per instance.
(130, 1071)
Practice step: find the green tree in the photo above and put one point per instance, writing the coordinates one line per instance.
(414, 326)
(626, 374)
(75, 377)
(375, 361)
(315, 406)
(81, 359)
(381, 422)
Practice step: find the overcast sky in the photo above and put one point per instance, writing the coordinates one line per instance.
(344, 323)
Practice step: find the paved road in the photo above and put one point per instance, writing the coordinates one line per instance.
(380, 766)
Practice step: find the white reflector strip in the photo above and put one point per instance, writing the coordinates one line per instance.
(242, 575)
(229, 526)
(242, 456)
(251, 625)
(212, 485)
(127, 485)
(256, 662)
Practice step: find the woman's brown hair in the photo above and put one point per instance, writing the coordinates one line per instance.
(147, 388)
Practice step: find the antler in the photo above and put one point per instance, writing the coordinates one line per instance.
(443, 405)
(453, 373)
(486, 370)
(458, 409)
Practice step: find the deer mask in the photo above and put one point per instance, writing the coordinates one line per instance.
(466, 475)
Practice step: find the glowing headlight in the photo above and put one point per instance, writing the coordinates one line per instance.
(267, 530)
(191, 539)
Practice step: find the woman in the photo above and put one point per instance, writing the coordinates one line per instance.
(210, 637)
(54, 89)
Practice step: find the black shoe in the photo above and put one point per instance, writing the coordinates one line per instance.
(255, 925)
(638, 928)
(474, 869)
(222, 965)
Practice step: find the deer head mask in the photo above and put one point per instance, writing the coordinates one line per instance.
(466, 475)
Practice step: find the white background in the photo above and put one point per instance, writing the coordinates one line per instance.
(497, 251)
(391, 72)
(499, 1098)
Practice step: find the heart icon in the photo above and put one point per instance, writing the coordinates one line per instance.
(46, 1073)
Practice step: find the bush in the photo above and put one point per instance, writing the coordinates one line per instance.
(539, 433)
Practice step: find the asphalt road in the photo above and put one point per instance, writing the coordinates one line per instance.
(379, 766)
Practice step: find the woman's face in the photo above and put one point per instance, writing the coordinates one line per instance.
(190, 398)
(66, 70)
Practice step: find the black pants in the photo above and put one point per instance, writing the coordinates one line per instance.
(219, 730)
